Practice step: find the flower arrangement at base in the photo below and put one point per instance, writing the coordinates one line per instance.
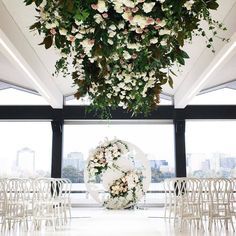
(122, 51)
(116, 175)
(126, 191)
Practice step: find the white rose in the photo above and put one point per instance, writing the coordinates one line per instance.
(111, 34)
(126, 55)
(112, 27)
(91, 30)
(162, 23)
(43, 3)
(79, 36)
(78, 22)
(101, 6)
(163, 43)
(126, 15)
(128, 3)
(110, 42)
(121, 85)
(44, 15)
(98, 18)
(154, 41)
(164, 31)
(189, 5)
(115, 57)
(51, 25)
(140, 21)
(147, 7)
(121, 26)
(118, 7)
(63, 31)
(109, 95)
(127, 79)
(135, 46)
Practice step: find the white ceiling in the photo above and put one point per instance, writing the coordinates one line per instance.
(10, 74)
(15, 19)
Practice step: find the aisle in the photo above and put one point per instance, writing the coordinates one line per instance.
(99, 222)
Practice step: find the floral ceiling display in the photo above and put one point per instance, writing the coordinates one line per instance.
(122, 51)
(117, 174)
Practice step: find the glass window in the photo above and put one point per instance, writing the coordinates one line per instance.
(12, 96)
(155, 140)
(210, 148)
(218, 97)
(25, 149)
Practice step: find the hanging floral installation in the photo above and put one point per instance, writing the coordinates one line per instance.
(122, 51)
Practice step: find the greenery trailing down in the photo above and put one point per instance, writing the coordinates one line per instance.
(122, 51)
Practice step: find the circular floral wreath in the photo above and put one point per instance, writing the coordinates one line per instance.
(122, 51)
(124, 191)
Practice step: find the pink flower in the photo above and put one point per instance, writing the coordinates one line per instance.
(71, 38)
(134, 10)
(157, 27)
(104, 15)
(53, 31)
(130, 18)
(150, 21)
(91, 41)
(94, 6)
(158, 20)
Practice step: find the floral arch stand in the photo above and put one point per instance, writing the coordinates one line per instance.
(117, 174)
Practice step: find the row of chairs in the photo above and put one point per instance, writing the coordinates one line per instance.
(39, 201)
(194, 200)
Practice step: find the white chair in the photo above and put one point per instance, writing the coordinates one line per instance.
(177, 186)
(233, 197)
(44, 204)
(62, 198)
(169, 198)
(15, 205)
(205, 196)
(2, 198)
(220, 207)
(189, 202)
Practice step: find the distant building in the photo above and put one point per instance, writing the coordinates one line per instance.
(164, 169)
(205, 165)
(156, 164)
(75, 159)
(228, 162)
(215, 160)
(153, 164)
(25, 159)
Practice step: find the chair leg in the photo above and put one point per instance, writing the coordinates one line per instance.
(232, 224)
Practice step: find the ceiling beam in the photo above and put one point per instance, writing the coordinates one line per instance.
(203, 71)
(18, 50)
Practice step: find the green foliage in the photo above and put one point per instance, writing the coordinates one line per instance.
(122, 55)
(71, 173)
(47, 42)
